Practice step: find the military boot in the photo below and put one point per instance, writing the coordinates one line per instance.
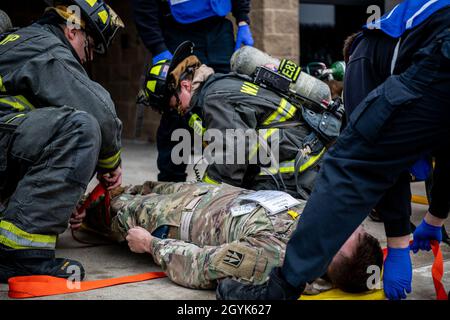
(276, 288)
(26, 263)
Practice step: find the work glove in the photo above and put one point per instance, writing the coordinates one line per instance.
(244, 37)
(165, 55)
(397, 274)
(422, 236)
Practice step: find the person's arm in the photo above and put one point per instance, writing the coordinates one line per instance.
(56, 79)
(220, 116)
(146, 14)
(240, 10)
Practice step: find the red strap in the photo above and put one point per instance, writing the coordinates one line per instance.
(437, 270)
(97, 192)
(40, 286)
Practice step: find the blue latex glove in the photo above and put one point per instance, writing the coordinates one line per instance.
(244, 37)
(397, 274)
(165, 55)
(422, 236)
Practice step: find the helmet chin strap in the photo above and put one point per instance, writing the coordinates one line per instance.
(87, 54)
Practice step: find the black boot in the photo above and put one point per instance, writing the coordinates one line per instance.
(25, 263)
(276, 288)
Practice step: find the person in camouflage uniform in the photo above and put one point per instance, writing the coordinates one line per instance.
(210, 245)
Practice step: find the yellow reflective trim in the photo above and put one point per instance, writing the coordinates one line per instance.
(151, 85)
(9, 243)
(195, 122)
(156, 69)
(250, 88)
(312, 161)
(207, 179)
(20, 115)
(268, 134)
(16, 105)
(91, 2)
(8, 226)
(110, 162)
(2, 87)
(275, 114)
(9, 38)
(288, 166)
(25, 101)
(103, 16)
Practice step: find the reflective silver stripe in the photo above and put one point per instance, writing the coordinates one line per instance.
(424, 7)
(25, 242)
(395, 56)
(175, 2)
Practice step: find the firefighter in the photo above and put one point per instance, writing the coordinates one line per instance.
(232, 101)
(403, 119)
(57, 128)
(163, 25)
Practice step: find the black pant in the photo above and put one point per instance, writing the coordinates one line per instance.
(51, 158)
(214, 45)
(399, 122)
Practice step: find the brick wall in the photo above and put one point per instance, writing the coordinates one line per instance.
(275, 27)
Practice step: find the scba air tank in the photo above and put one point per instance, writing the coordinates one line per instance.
(247, 59)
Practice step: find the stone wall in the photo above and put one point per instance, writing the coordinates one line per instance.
(275, 27)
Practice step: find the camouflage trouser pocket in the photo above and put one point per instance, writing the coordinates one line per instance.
(241, 261)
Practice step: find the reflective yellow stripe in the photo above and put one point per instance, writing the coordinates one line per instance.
(250, 88)
(151, 85)
(16, 105)
(285, 111)
(268, 134)
(103, 15)
(110, 162)
(156, 69)
(16, 238)
(20, 115)
(195, 122)
(2, 87)
(25, 101)
(289, 166)
(91, 2)
(207, 179)
(20, 103)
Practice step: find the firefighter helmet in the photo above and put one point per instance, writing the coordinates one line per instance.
(160, 83)
(99, 19)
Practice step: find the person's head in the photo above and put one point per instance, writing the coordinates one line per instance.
(88, 26)
(168, 84)
(348, 270)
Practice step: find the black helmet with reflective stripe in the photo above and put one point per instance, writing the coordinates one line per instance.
(157, 89)
(102, 23)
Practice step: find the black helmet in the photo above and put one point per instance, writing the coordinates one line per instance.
(102, 23)
(159, 81)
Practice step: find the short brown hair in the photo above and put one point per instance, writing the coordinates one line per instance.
(350, 273)
(348, 46)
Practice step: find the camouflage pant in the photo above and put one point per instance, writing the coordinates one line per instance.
(245, 247)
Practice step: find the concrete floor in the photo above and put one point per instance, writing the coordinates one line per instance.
(139, 164)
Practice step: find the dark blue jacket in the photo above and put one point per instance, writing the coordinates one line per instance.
(149, 14)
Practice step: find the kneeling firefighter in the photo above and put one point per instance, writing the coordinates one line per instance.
(57, 128)
(246, 103)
